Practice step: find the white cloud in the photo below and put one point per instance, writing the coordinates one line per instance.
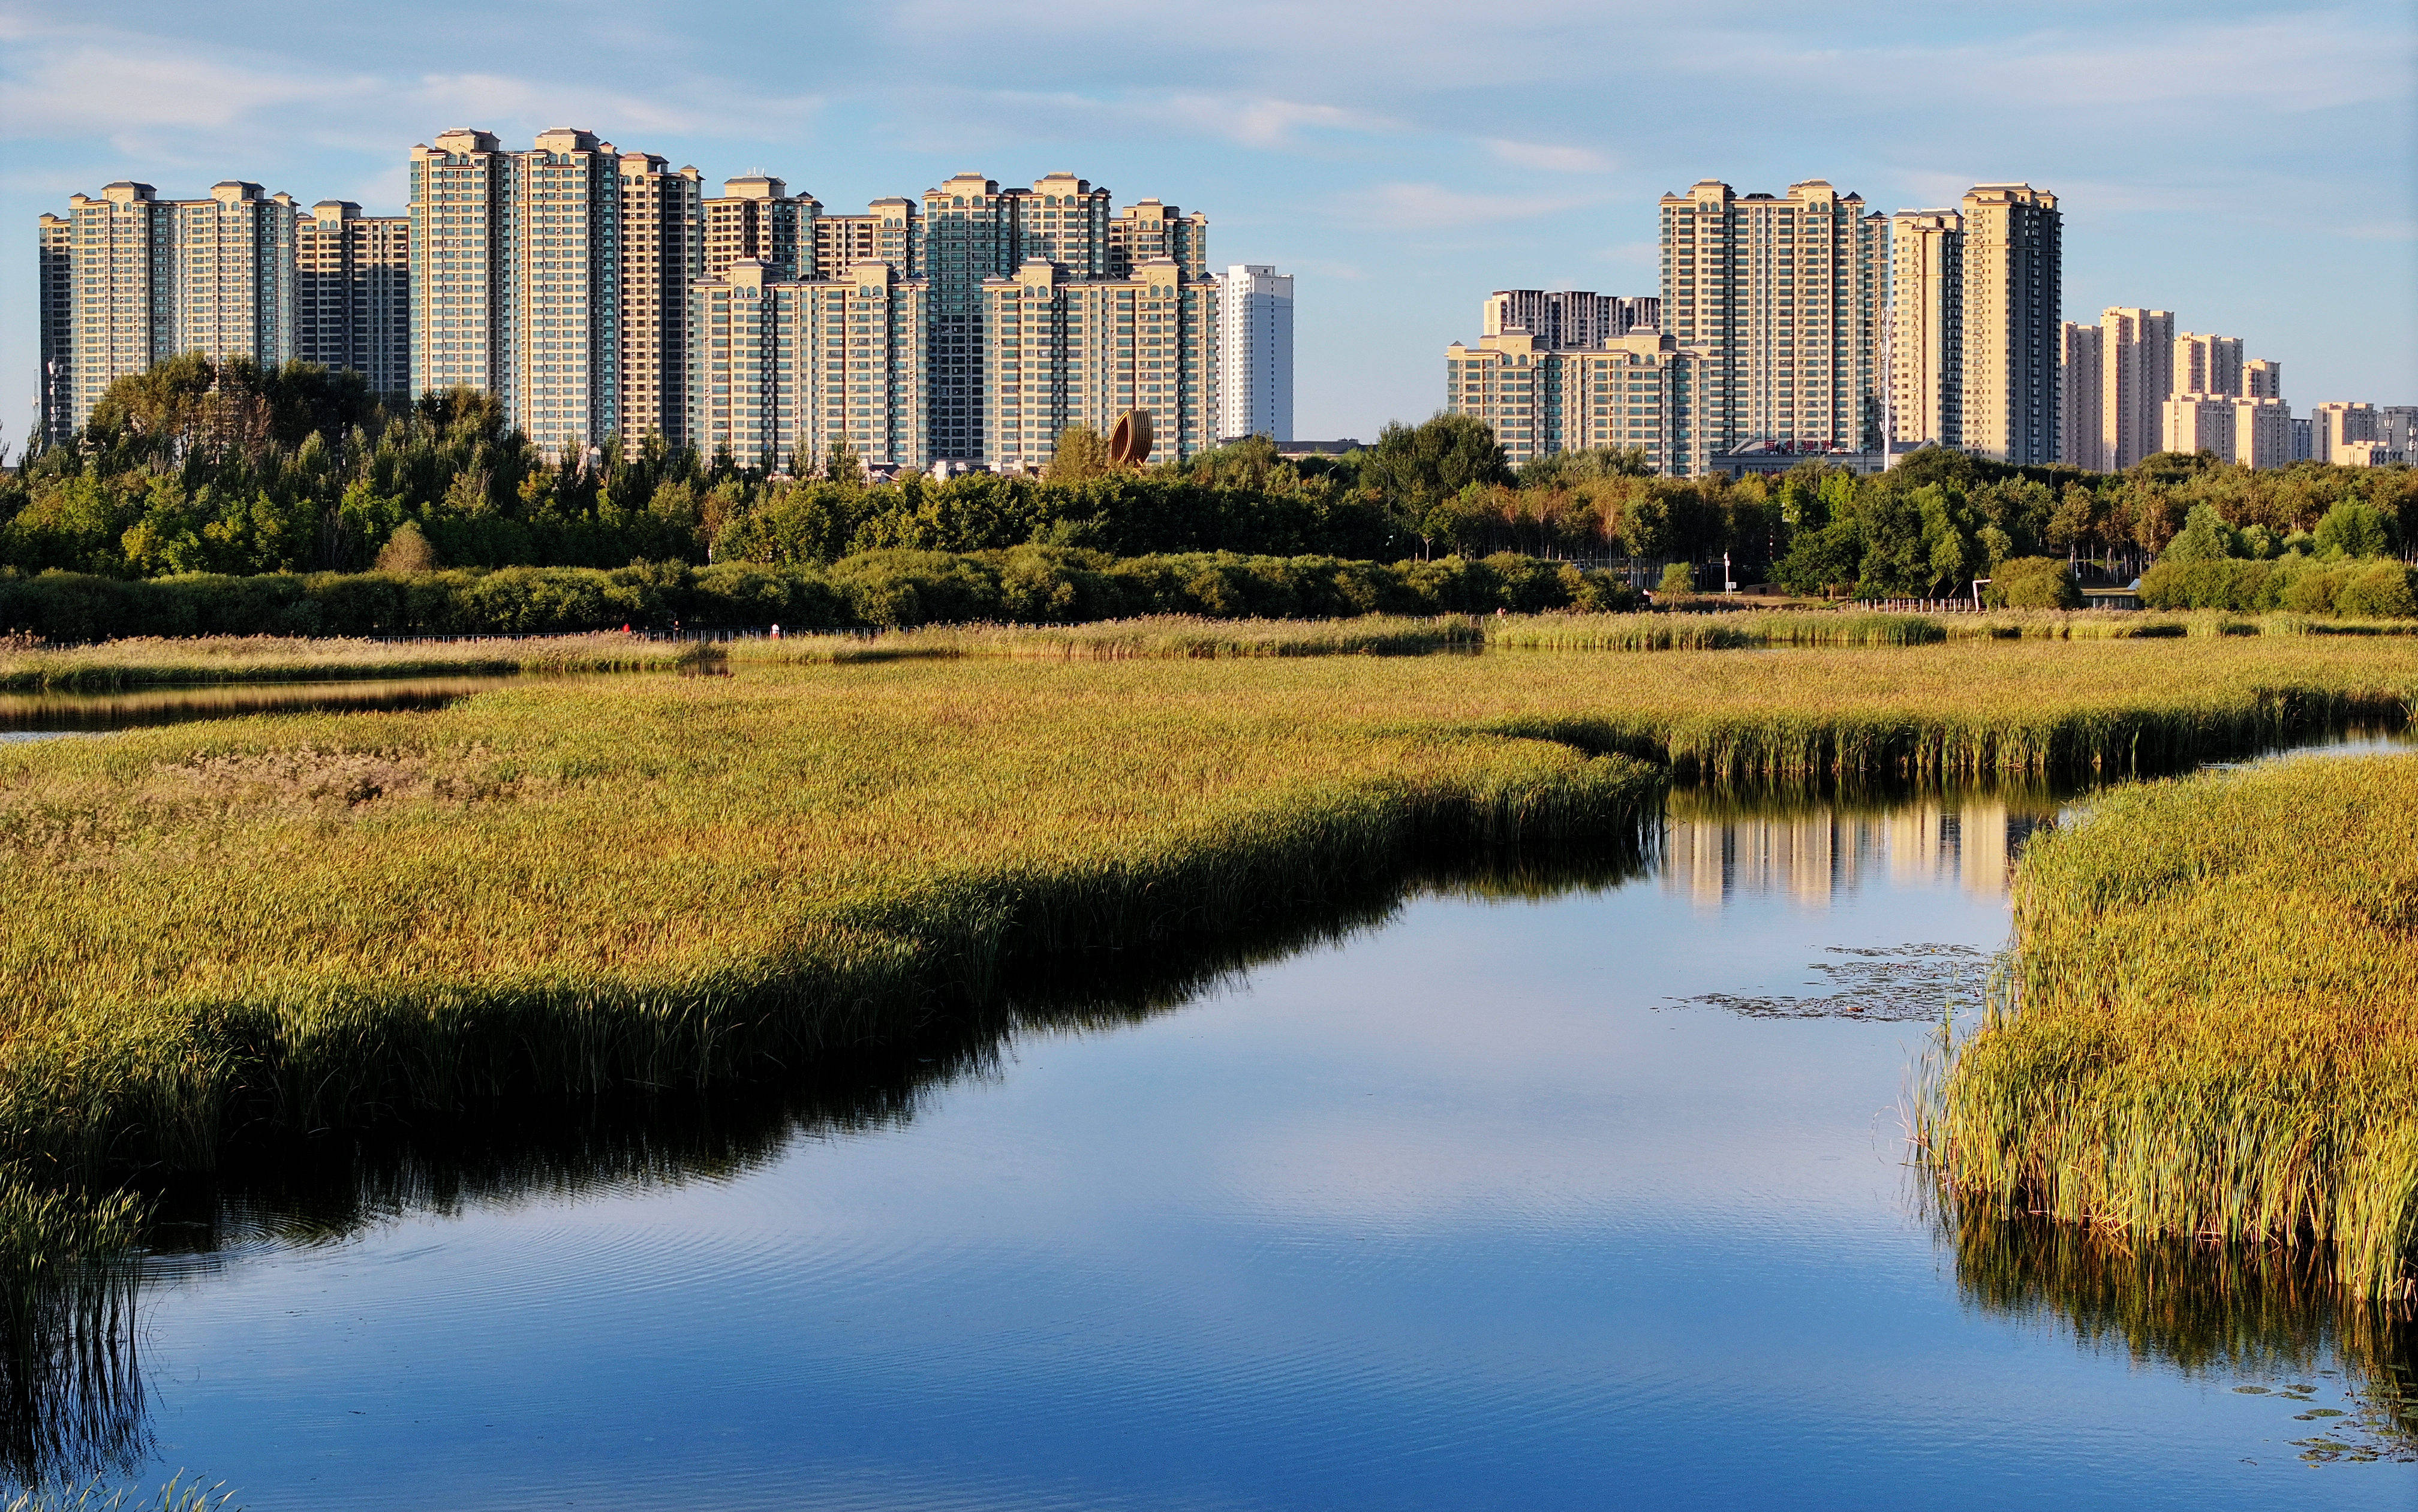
(1550, 157)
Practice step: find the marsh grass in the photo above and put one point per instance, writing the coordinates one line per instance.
(2212, 1027)
(325, 921)
(214, 659)
(178, 1495)
(1176, 637)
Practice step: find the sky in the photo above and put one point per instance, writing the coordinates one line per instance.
(2251, 166)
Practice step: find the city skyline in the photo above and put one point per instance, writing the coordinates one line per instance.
(1364, 182)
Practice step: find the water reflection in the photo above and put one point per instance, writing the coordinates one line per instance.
(1811, 849)
(2266, 1314)
(71, 1397)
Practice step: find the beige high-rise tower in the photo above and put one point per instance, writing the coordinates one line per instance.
(2014, 273)
(150, 279)
(53, 400)
(1927, 336)
(1783, 296)
(2079, 397)
(663, 253)
(352, 294)
(2136, 376)
(2208, 364)
(757, 218)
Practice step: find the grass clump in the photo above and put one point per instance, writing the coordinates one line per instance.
(2217, 1037)
(1723, 631)
(146, 660)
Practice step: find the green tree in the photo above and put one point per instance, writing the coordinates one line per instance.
(2204, 538)
(2354, 528)
(1417, 467)
(1081, 456)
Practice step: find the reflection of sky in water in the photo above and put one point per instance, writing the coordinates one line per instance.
(1460, 1215)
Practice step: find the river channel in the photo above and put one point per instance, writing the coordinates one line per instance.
(1576, 1184)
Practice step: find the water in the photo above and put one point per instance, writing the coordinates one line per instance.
(47, 716)
(1582, 1186)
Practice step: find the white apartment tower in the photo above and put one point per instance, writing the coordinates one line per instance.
(150, 279)
(2208, 364)
(1254, 353)
(352, 294)
(1784, 297)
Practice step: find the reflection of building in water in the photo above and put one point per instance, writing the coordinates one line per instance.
(1813, 853)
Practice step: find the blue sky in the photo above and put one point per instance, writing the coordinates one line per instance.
(2250, 166)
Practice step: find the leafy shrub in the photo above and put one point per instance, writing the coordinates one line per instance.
(2034, 583)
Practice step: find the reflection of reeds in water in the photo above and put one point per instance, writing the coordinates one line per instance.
(1814, 849)
(70, 1394)
(2205, 1310)
(84, 1405)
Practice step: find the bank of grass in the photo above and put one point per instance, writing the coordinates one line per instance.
(1154, 638)
(149, 661)
(2215, 1036)
(312, 919)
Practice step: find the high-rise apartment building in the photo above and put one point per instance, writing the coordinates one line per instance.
(53, 399)
(969, 236)
(757, 220)
(784, 368)
(555, 279)
(890, 231)
(1254, 353)
(1784, 297)
(2332, 426)
(1147, 229)
(2396, 426)
(1927, 328)
(2014, 260)
(1060, 351)
(2079, 395)
(2136, 376)
(1569, 319)
(150, 279)
(464, 241)
(1636, 391)
(662, 250)
(2256, 433)
(2262, 379)
(2208, 364)
(352, 294)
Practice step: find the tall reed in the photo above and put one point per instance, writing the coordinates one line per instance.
(2215, 1030)
(210, 659)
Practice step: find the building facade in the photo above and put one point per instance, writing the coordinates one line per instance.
(2256, 433)
(783, 371)
(150, 279)
(2079, 395)
(2262, 379)
(1783, 298)
(352, 295)
(1927, 328)
(1254, 353)
(2136, 376)
(1637, 391)
(1060, 351)
(2332, 426)
(1147, 229)
(555, 279)
(2208, 364)
(2014, 262)
(1569, 319)
(53, 399)
(757, 220)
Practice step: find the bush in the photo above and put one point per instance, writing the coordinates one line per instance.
(2378, 592)
(1679, 579)
(2034, 583)
(890, 588)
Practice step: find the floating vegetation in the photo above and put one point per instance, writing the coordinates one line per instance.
(1900, 984)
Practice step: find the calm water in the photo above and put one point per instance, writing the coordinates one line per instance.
(44, 716)
(1552, 1191)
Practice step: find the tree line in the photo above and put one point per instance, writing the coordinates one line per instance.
(231, 469)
